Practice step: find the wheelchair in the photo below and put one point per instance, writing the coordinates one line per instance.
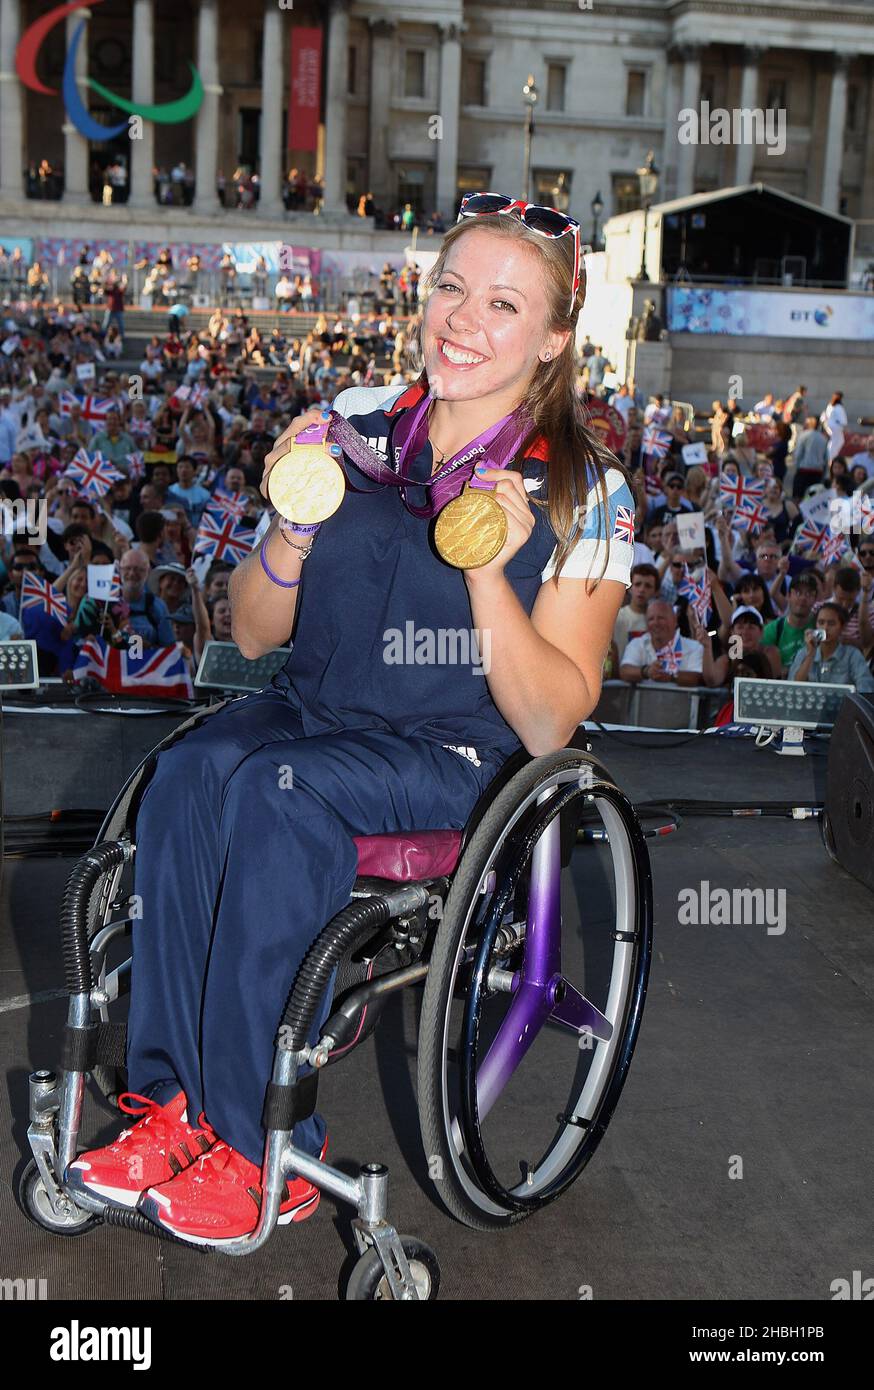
(532, 1003)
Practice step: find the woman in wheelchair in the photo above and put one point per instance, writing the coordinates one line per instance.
(245, 833)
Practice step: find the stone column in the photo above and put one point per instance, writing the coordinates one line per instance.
(450, 95)
(75, 145)
(206, 134)
(334, 196)
(866, 213)
(745, 154)
(834, 135)
(382, 33)
(669, 139)
(11, 104)
(690, 93)
(275, 34)
(142, 158)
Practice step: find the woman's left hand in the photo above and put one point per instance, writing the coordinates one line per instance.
(510, 494)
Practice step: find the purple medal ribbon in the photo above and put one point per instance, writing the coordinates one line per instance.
(500, 442)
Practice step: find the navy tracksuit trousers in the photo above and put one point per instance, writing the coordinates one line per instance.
(244, 852)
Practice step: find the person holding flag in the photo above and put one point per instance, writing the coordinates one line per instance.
(663, 654)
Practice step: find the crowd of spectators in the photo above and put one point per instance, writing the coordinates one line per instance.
(186, 427)
(789, 594)
(197, 411)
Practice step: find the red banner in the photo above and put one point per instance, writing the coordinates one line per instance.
(306, 83)
(609, 423)
(761, 437)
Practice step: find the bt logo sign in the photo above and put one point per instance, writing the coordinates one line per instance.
(817, 316)
(165, 113)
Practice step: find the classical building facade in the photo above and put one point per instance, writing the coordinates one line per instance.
(421, 100)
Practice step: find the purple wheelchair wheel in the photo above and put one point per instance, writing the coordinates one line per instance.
(535, 992)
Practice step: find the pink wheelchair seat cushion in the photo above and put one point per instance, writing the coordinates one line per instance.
(408, 855)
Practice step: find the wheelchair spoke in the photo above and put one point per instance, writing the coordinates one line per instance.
(575, 1011)
(521, 1024)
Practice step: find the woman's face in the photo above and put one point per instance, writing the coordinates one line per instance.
(488, 310)
(77, 585)
(774, 491)
(753, 594)
(221, 620)
(749, 632)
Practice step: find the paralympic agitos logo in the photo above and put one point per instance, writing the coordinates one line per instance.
(164, 113)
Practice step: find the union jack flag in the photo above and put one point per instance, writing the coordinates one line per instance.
(66, 401)
(223, 539)
(750, 516)
(698, 594)
(136, 466)
(811, 537)
(98, 407)
(656, 442)
(670, 656)
(92, 472)
(623, 526)
(739, 490)
(199, 395)
(38, 593)
(228, 504)
(160, 671)
(834, 547)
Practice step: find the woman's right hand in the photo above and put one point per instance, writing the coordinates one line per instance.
(313, 416)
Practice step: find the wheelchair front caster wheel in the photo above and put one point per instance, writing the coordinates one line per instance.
(368, 1283)
(34, 1201)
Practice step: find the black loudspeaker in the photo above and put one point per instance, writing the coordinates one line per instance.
(848, 821)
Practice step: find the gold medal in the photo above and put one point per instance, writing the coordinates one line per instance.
(306, 485)
(471, 529)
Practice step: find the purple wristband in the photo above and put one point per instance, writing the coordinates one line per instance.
(283, 583)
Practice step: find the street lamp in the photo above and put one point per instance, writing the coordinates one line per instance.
(648, 176)
(529, 96)
(597, 206)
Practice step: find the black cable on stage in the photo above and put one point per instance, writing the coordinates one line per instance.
(690, 807)
(640, 742)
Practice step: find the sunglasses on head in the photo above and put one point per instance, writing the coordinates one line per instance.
(548, 222)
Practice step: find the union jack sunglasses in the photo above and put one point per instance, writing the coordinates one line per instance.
(549, 222)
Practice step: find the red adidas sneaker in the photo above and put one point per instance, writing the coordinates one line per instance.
(158, 1147)
(218, 1198)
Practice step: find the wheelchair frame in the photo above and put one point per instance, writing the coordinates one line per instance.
(389, 1265)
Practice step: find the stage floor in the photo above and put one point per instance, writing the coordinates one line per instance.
(753, 1044)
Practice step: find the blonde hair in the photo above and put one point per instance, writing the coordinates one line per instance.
(557, 410)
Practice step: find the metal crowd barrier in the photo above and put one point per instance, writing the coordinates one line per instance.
(659, 705)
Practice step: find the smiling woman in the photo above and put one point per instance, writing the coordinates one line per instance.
(380, 738)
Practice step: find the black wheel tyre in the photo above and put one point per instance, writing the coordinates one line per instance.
(34, 1202)
(368, 1284)
(828, 838)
